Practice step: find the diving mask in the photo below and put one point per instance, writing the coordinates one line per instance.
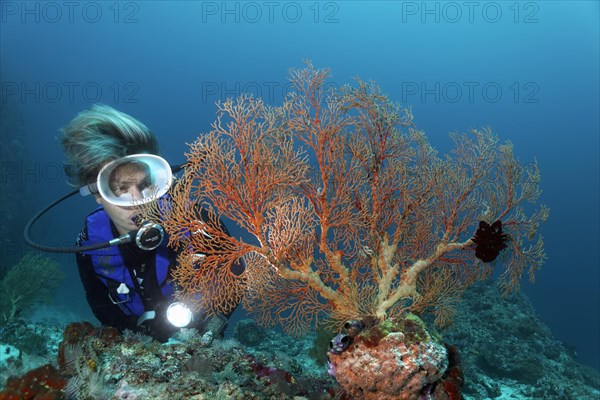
(132, 180)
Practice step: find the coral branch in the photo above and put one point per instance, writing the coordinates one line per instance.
(346, 210)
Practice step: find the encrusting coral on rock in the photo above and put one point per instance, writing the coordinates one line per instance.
(393, 360)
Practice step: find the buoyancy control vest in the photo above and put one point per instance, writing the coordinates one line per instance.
(111, 269)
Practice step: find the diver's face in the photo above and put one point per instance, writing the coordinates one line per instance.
(124, 218)
(128, 180)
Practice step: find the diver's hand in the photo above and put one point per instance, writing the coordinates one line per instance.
(158, 327)
(160, 332)
(216, 324)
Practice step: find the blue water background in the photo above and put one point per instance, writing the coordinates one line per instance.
(528, 70)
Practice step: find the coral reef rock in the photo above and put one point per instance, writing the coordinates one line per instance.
(392, 360)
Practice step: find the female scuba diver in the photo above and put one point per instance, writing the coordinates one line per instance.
(125, 266)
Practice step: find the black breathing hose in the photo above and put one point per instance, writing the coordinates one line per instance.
(75, 249)
(54, 249)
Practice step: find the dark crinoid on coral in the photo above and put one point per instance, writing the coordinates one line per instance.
(490, 240)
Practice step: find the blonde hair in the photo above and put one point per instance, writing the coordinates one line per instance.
(99, 135)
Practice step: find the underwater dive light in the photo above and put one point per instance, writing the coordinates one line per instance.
(179, 315)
